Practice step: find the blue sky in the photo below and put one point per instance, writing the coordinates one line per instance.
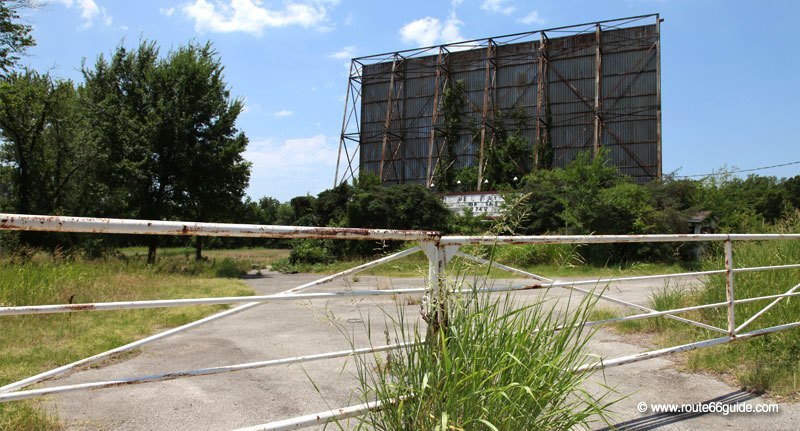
(730, 69)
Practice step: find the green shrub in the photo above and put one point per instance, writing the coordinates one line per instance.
(310, 252)
(283, 266)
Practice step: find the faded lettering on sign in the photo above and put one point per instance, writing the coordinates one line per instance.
(484, 204)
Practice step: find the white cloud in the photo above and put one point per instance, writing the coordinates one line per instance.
(290, 167)
(284, 113)
(532, 18)
(250, 16)
(497, 6)
(431, 31)
(451, 30)
(345, 53)
(166, 11)
(90, 12)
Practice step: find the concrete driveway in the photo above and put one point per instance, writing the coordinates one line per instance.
(284, 329)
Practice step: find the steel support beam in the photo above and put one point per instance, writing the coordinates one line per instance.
(658, 95)
(598, 79)
(344, 124)
(434, 117)
(490, 70)
(541, 88)
(387, 124)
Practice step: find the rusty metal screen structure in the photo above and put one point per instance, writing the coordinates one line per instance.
(578, 88)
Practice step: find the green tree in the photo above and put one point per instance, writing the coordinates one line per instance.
(269, 209)
(581, 182)
(792, 187)
(165, 131)
(196, 117)
(332, 205)
(40, 126)
(15, 37)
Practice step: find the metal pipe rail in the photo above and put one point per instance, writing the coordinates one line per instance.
(439, 250)
(22, 395)
(40, 223)
(607, 239)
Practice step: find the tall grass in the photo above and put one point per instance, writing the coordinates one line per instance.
(767, 363)
(491, 368)
(763, 364)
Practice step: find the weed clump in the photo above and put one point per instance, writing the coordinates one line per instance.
(495, 366)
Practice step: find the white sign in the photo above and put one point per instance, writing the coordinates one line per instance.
(484, 204)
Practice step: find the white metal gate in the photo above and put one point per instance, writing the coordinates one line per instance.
(439, 250)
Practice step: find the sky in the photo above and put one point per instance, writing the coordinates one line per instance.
(730, 69)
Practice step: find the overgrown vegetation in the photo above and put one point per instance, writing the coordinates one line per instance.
(143, 136)
(490, 368)
(762, 364)
(32, 344)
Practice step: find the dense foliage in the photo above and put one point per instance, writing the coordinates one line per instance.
(591, 197)
(15, 36)
(143, 136)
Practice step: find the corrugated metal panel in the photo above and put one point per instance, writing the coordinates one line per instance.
(628, 97)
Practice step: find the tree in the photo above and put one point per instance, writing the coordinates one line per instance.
(40, 125)
(15, 37)
(792, 187)
(198, 119)
(165, 129)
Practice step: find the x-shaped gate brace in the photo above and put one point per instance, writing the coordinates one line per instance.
(439, 249)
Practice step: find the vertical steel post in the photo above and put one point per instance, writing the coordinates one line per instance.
(729, 287)
(344, 123)
(388, 122)
(485, 111)
(539, 95)
(598, 77)
(434, 306)
(658, 96)
(434, 118)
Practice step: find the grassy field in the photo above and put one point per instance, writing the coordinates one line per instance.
(563, 262)
(32, 344)
(255, 258)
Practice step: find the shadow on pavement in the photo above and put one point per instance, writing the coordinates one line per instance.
(658, 420)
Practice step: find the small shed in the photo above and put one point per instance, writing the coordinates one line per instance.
(702, 222)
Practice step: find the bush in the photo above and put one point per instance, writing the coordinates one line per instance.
(310, 251)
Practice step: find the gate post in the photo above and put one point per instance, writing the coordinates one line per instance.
(434, 303)
(729, 287)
